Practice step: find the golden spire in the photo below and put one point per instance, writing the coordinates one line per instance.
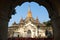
(29, 15)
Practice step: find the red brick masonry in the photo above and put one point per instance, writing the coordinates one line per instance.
(30, 38)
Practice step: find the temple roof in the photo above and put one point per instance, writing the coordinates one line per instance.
(14, 23)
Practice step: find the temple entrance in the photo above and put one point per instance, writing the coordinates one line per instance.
(29, 33)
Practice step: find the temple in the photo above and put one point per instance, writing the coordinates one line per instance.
(28, 27)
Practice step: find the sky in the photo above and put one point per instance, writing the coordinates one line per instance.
(36, 9)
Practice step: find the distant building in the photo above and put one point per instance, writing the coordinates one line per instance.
(28, 27)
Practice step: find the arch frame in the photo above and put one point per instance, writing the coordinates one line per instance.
(8, 7)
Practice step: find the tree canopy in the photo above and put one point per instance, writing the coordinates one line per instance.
(48, 23)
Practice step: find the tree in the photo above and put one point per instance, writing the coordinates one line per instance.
(48, 23)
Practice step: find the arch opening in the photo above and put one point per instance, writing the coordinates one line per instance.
(35, 9)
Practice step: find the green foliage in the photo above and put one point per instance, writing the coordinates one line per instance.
(48, 23)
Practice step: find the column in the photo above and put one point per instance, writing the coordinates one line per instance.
(3, 29)
(56, 28)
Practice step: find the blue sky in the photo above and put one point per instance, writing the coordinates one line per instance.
(36, 9)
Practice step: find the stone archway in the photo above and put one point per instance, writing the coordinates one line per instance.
(29, 33)
(7, 7)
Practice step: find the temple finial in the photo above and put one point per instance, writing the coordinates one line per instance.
(29, 12)
(37, 18)
(29, 8)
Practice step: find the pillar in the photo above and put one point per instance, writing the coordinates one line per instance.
(4, 19)
(3, 29)
(56, 28)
